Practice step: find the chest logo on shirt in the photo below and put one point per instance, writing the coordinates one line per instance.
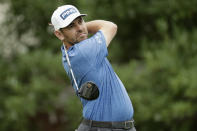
(98, 38)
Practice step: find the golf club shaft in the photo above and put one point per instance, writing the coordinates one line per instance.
(72, 74)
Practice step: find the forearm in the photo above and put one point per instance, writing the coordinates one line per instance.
(108, 29)
(95, 25)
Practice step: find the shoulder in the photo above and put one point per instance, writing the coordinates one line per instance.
(94, 39)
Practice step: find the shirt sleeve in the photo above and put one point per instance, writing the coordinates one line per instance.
(94, 48)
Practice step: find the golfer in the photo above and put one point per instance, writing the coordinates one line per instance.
(112, 109)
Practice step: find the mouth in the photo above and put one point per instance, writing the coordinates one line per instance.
(82, 35)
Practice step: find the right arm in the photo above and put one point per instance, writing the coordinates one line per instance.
(108, 29)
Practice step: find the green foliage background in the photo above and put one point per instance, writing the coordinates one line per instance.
(154, 54)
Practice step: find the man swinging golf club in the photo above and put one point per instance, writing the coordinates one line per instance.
(106, 104)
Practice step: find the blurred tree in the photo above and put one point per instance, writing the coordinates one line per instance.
(135, 19)
(163, 87)
(32, 83)
(154, 53)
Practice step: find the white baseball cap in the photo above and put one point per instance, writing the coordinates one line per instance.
(64, 15)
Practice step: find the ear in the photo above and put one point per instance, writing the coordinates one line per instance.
(59, 35)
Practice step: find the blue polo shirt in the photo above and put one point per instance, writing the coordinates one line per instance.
(89, 62)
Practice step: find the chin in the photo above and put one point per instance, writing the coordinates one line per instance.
(83, 38)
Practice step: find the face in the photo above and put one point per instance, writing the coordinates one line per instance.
(74, 32)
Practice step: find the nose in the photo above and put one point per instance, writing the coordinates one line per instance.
(79, 27)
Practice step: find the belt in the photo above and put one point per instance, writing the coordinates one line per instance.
(113, 125)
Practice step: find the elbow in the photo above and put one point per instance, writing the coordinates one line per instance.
(114, 27)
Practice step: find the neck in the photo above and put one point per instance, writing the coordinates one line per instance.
(67, 45)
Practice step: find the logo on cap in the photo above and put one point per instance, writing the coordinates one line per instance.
(67, 12)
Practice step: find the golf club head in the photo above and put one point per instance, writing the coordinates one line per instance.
(89, 91)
